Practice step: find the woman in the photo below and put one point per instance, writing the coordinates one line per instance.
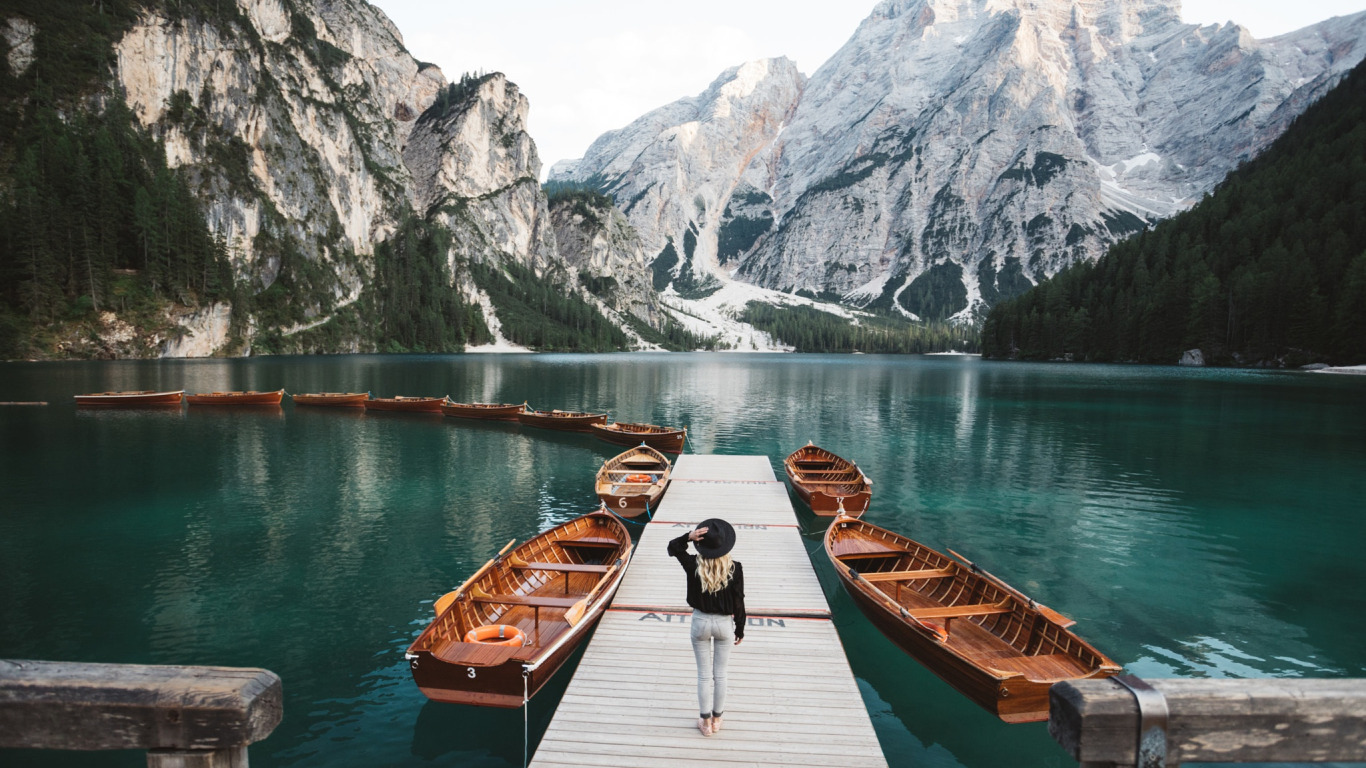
(716, 591)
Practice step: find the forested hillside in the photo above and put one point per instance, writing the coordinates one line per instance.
(807, 329)
(1269, 269)
(91, 217)
(261, 203)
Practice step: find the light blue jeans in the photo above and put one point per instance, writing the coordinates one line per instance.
(712, 636)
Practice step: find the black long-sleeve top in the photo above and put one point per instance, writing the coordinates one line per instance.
(731, 598)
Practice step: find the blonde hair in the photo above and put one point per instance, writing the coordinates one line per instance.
(715, 572)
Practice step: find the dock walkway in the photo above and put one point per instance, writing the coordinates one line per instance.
(791, 701)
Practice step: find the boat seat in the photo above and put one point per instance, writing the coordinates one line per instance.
(559, 567)
(589, 541)
(927, 573)
(536, 601)
(868, 554)
(955, 611)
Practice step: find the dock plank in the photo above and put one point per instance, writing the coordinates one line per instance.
(792, 699)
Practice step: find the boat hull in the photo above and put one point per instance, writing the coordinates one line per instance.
(993, 644)
(405, 404)
(498, 685)
(1013, 700)
(633, 482)
(667, 441)
(482, 411)
(333, 399)
(579, 422)
(825, 505)
(632, 505)
(236, 398)
(824, 481)
(130, 399)
(554, 588)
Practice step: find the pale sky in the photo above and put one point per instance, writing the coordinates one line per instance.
(589, 66)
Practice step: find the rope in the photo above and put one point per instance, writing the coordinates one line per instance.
(526, 731)
(627, 519)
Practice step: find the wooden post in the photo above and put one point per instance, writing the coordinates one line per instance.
(186, 717)
(1215, 721)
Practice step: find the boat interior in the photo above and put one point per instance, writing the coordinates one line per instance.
(974, 617)
(819, 478)
(633, 472)
(639, 429)
(535, 588)
(807, 466)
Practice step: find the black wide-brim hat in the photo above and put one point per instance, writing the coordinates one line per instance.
(718, 540)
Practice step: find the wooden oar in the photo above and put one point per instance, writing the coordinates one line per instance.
(444, 602)
(575, 613)
(1048, 613)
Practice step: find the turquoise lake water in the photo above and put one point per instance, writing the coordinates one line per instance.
(1195, 523)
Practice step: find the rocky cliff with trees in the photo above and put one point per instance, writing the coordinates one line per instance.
(1268, 269)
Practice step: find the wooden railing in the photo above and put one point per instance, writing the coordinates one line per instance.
(1210, 721)
(185, 717)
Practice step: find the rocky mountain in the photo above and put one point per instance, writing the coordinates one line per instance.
(599, 244)
(954, 152)
(675, 171)
(294, 122)
(362, 201)
(1269, 270)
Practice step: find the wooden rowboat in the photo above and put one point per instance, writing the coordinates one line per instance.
(980, 635)
(633, 482)
(338, 399)
(489, 411)
(574, 421)
(552, 589)
(141, 399)
(659, 438)
(402, 403)
(828, 483)
(236, 398)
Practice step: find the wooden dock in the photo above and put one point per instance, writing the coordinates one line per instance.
(791, 701)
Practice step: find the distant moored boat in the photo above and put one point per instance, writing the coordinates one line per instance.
(339, 399)
(139, 399)
(488, 411)
(236, 398)
(625, 433)
(403, 403)
(574, 421)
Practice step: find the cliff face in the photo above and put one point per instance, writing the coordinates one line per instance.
(682, 173)
(475, 169)
(599, 245)
(311, 136)
(293, 118)
(954, 152)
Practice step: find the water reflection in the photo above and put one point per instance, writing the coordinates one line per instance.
(1182, 518)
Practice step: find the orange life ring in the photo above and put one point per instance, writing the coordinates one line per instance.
(639, 479)
(496, 634)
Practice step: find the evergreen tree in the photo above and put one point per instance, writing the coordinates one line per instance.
(1266, 268)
